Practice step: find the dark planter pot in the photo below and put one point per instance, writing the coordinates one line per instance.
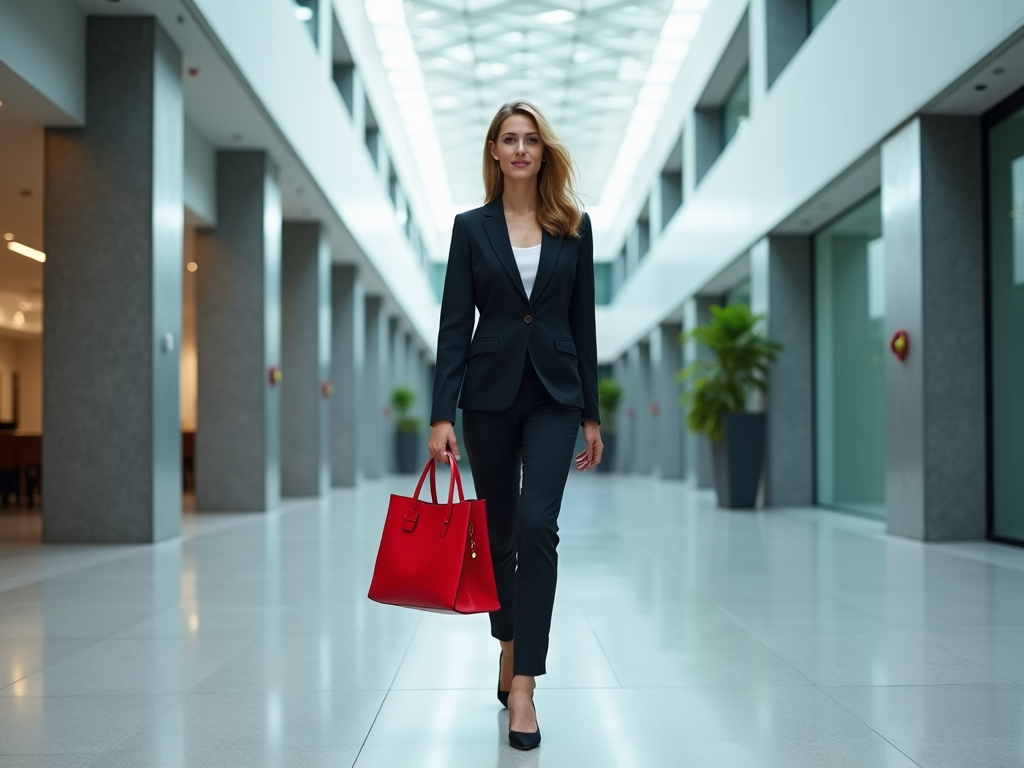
(608, 456)
(407, 451)
(739, 460)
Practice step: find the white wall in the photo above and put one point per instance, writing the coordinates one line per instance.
(867, 69)
(276, 56)
(43, 41)
(200, 175)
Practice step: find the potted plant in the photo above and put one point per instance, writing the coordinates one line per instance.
(717, 399)
(407, 432)
(609, 395)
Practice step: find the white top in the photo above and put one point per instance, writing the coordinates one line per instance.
(527, 259)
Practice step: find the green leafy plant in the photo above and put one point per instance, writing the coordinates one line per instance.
(402, 398)
(609, 394)
(720, 386)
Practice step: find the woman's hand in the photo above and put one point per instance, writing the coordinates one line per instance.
(592, 438)
(442, 440)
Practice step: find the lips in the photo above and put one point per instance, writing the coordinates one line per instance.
(520, 164)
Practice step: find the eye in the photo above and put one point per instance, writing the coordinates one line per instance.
(510, 140)
(534, 140)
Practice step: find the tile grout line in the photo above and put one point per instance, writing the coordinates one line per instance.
(387, 693)
(861, 720)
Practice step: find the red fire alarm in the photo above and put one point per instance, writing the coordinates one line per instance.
(900, 345)
(275, 375)
(327, 389)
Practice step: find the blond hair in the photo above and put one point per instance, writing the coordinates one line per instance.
(559, 212)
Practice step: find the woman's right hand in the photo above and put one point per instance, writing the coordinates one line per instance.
(442, 441)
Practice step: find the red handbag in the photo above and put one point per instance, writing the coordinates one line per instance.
(436, 557)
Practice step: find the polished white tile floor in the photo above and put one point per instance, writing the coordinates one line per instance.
(683, 636)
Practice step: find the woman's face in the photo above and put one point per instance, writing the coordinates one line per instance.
(519, 149)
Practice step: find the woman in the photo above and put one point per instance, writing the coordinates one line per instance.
(528, 378)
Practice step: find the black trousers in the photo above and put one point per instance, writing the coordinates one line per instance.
(537, 436)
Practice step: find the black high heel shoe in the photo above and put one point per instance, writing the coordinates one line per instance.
(502, 695)
(525, 741)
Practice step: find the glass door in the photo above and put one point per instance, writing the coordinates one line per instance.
(1006, 322)
(849, 266)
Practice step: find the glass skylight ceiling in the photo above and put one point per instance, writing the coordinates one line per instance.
(599, 69)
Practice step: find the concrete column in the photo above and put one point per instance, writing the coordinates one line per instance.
(238, 311)
(375, 381)
(670, 420)
(934, 223)
(698, 450)
(395, 363)
(114, 238)
(305, 360)
(782, 288)
(623, 422)
(349, 423)
(645, 455)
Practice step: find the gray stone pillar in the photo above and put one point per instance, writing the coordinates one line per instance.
(375, 382)
(644, 454)
(348, 344)
(698, 450)
(305, 359)
(114, 238)
(238, 334)
(395, 376)
(933, 219)
(623, 421)
(782, 288)
(670, 419)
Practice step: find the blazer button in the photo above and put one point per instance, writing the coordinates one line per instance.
(528, 319)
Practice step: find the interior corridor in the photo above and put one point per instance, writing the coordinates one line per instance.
(683, 635)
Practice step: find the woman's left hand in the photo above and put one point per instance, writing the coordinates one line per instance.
(592, 439)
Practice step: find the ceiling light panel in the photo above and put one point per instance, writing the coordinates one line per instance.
(571, 57)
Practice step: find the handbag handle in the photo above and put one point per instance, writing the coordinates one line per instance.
(433, 482)
(455, 481)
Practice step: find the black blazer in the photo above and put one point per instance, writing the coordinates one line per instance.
(555, 324)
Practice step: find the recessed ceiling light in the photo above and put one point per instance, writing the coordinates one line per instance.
(25, 305)
(25, 250)
(1, 103)
(19, 318)
(8, 237)
(302, 13)
(556, 17)
(192, 266)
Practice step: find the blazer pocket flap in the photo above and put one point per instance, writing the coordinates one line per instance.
(565, 345)
(481, 346)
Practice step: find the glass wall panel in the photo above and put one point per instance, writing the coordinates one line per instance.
(849, 361)
(736, 110)
(1006, 223)
(739, 294)
(818, 10)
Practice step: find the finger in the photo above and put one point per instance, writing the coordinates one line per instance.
(453, 446)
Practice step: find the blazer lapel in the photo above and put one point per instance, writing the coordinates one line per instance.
(551, 247)
(497, 233)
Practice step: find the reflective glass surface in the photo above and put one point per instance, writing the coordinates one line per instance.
(849, 361)
(818, 9)
(1006, 225)
(736, 110)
